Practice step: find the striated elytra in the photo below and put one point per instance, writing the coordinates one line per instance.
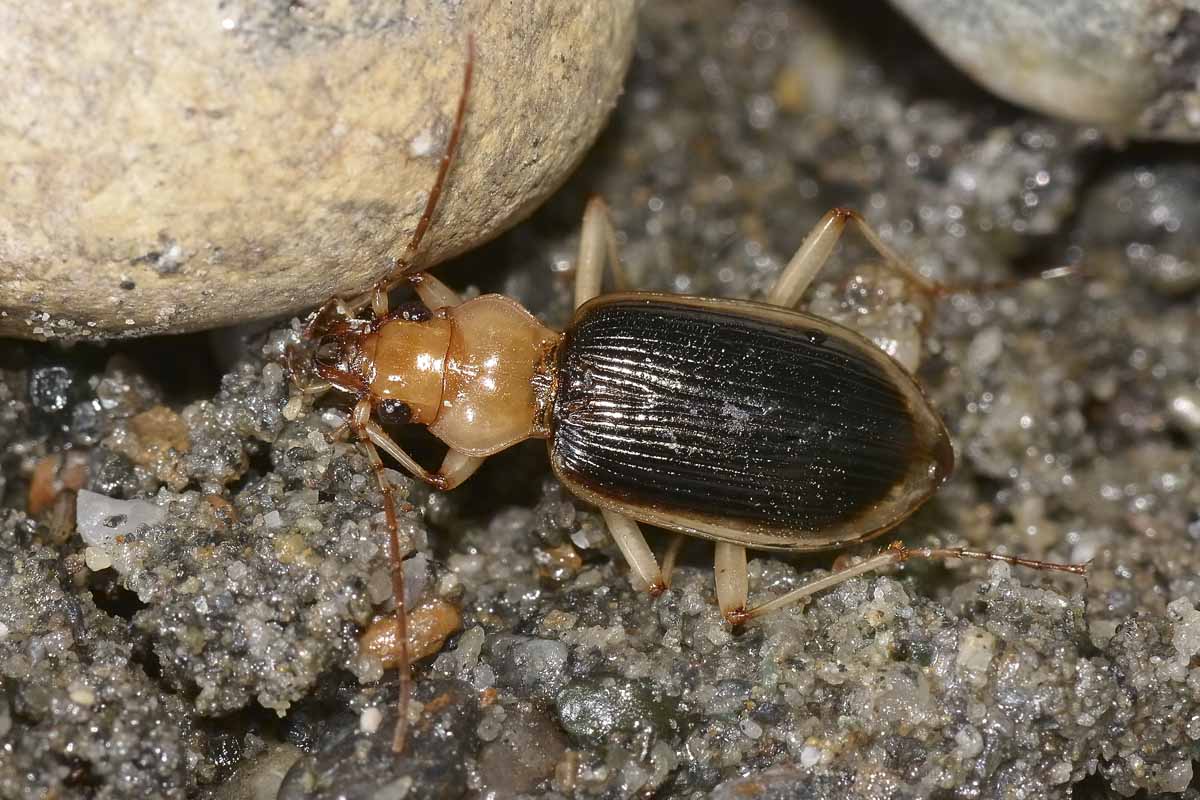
(740, 422)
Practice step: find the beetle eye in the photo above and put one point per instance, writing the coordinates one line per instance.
(329, 351)
(411, 312)
(393, 412)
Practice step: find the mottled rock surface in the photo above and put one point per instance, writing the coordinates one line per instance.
(227, 633)
(177, 166)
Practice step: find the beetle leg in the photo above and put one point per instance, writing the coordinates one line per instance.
(379, 301)
(815, 251)
(597, 245)
(315, 389)
(433, 293)
(670, 557)
(733, 586)
(896, 553)
(632, 543)
(359, 422)
(338, 433)
(456, 467)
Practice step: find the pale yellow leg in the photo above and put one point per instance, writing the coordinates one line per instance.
(597, 246)
(896, 553)
(433, 293)
(798, 275)
(456, 467)
(733, 585)
(632, 543)
(671, 556)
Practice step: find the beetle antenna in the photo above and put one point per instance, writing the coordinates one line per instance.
(404, 262)
(1048, 274)
(897, 553)
(359, 421)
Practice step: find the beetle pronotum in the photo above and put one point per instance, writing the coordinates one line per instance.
(750, 424)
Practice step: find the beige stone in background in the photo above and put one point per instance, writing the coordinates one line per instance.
(1131, 67)
(169, 166)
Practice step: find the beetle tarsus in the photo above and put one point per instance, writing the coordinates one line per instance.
(737, 617)
(906, 553)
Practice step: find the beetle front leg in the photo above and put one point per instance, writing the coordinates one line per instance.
(813, 254)
(597, 245)
(433, 293)
(632, 543)
(456, 467)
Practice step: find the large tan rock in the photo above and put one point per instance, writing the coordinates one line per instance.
(173, 165)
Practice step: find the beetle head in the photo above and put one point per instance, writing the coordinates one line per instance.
(335, 351)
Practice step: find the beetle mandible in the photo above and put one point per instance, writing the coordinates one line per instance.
(751, 424)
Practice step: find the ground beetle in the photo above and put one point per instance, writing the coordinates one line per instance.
(750, 424)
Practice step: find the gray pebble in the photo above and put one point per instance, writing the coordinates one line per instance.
(1129, 67)
(348, 765)
(592, 709)
(525, 754)
(533, 667)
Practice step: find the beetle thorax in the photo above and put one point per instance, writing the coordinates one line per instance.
(408, 359)
(474, 373)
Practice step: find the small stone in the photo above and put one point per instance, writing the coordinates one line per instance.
(1176, 777)
(96, 559)
(969, 741)
(348, 765)
(534, 666)
(83, 695)
(428, 627)
(111, 526)
(293, 408)
(975, 650)
(370, 720)
(751, 728)
(590, 711)
(524, 753)
(1185, 635)
(1059, 773)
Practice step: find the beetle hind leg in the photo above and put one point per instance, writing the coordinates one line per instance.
(897, 553)
(433, 293)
